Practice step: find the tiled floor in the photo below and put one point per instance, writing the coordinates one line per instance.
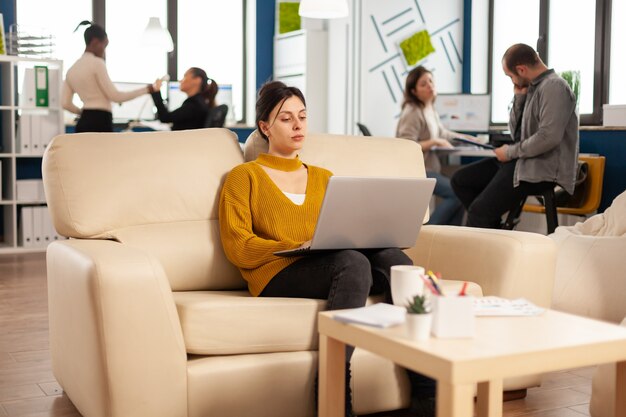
(28, 389)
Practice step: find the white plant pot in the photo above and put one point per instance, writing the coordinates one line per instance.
(419, 325)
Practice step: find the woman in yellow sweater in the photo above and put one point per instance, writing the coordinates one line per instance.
(272, 204)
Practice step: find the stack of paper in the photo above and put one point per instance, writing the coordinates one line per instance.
(377, 315)
(496, 306)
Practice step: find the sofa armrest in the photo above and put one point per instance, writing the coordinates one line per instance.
(504, 263)
(589, 275)
(115, 338)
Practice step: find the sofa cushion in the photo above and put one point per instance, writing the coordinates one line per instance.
(234, 322)
(156, 191)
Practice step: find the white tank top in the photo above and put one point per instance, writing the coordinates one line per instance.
(297, 199)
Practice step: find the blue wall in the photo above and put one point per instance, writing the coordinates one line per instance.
(265, 22)
(7, 8)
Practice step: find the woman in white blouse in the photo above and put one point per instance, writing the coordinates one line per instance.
(420, 122)
(88, 78)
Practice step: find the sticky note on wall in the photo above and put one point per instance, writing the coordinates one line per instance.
(416, 47)
(288, 17)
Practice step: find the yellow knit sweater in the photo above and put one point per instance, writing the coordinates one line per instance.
(258, 219)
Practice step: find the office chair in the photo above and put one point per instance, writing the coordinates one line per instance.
(216, 116)
(590, 203)
(364, 130)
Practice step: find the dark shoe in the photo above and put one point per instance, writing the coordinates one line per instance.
(423, 407)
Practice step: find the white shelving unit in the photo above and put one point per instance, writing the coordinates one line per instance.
(300, 60)
(15, 162)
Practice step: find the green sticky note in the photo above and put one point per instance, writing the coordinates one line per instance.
(288, 17)
(416, 47)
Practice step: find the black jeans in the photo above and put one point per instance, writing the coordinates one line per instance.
(486, 190)
(345, 278)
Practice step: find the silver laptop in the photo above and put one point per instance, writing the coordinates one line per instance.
(369, 212)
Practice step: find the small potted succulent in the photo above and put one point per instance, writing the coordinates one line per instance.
(419, 318)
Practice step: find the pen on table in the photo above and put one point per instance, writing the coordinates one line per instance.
(462, 293)
(434, 280)
(430, 286)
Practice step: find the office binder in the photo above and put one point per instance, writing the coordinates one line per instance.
(38, 233)
(47, 128)
(27, 97)
(50, 234)
(54, 89)
(24, 135)
(26, 227)
(41, 86)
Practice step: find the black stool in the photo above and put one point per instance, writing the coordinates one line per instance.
(550, 205)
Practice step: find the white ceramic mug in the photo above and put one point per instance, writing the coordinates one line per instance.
(406, 283)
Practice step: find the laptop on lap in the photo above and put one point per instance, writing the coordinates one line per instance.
(368, 213)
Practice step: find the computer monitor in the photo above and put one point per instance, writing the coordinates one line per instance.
(140, 108)
(175, 97)
(464, 112)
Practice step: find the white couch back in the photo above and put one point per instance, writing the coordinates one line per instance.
(159, 191)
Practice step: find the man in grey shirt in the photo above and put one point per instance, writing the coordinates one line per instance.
(544, 126)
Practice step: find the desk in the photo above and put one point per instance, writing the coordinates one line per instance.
(503, 347)
(464, 151)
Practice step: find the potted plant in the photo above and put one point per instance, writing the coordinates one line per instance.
(419, 318)
(572, 78)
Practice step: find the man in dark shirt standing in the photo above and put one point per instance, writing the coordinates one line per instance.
(544, 125)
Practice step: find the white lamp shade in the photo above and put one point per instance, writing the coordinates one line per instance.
(324, 9)
(157, 36)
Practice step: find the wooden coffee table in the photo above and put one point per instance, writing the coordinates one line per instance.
(503, 347)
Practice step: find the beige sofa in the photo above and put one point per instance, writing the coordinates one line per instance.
(590, 281)
(148, 318)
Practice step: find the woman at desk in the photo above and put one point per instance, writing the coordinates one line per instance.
(192, 114)
(272, 204)
(88, 78)
(420, 122)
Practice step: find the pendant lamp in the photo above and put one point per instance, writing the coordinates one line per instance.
(157, 36)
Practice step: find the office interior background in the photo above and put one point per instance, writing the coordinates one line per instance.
(350, 68)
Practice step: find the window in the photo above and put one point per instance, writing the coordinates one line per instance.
(572, 44)
(617, 92)
(213, 44)
(512, 24)
(127, 59)
(569, 35)
(38, 14)
(480, 46)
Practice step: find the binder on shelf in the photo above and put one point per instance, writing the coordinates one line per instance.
(29, 190)
(24, 134)
(35, 135)
(26, 227)
(54, 88)
(50, 232)
(44, 128)
(27, 98)
(41, 86)
(1, 183)
(37, 226)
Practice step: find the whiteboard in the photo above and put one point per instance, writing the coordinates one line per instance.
(464, 112)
